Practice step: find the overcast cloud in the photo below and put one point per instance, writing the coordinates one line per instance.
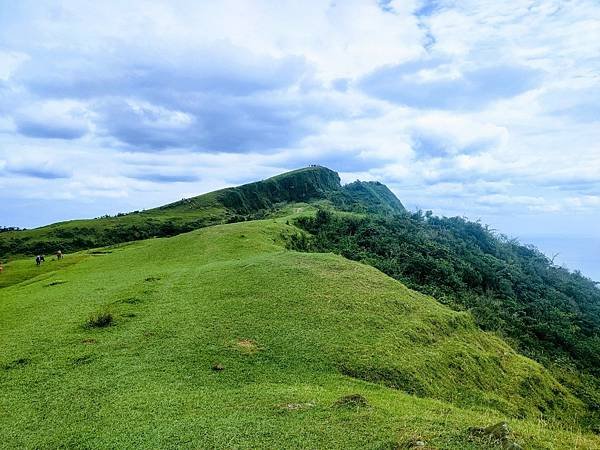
(479, 108)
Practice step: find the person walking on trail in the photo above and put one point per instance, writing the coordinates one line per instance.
(59, 255)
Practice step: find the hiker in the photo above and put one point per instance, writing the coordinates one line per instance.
(59, 255)
(38, 260)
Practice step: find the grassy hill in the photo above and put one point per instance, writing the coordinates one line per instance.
(246, 202)
(222, 338)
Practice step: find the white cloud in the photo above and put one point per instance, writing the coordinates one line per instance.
(9, 62)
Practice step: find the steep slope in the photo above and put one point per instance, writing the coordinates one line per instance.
(291, 332)
(249, 201)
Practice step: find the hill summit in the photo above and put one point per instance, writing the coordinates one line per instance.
(302, 185)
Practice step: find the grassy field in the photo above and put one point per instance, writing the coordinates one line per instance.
(221, 338)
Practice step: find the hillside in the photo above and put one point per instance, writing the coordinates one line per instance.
(246, 202)
(222, 338)
(370, 197)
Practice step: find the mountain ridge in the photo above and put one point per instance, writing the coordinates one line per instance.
(233, 204)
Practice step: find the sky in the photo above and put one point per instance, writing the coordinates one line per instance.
(478, 108)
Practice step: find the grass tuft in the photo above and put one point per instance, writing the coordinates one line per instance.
(80, 360)
(100, 319)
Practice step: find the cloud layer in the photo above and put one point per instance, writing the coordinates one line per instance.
(475, 107)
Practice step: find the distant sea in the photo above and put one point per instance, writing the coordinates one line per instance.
(575, 253)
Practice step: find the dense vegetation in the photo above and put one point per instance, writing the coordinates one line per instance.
(368, 197)
(297, 186)
(82, 234)
(7, 229)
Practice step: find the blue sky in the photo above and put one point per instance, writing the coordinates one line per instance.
(485, 109)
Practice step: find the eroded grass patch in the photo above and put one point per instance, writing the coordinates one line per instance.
(247, 346)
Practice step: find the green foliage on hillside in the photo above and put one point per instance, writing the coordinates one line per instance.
(367, 196)
(291, 334)
(296, 186)
(546, 311)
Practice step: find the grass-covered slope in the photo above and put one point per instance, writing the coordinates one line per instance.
(221, 338)
(226, 205)
(90, 233)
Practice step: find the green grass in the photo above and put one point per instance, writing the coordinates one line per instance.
(20, 270)
(293, 334)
